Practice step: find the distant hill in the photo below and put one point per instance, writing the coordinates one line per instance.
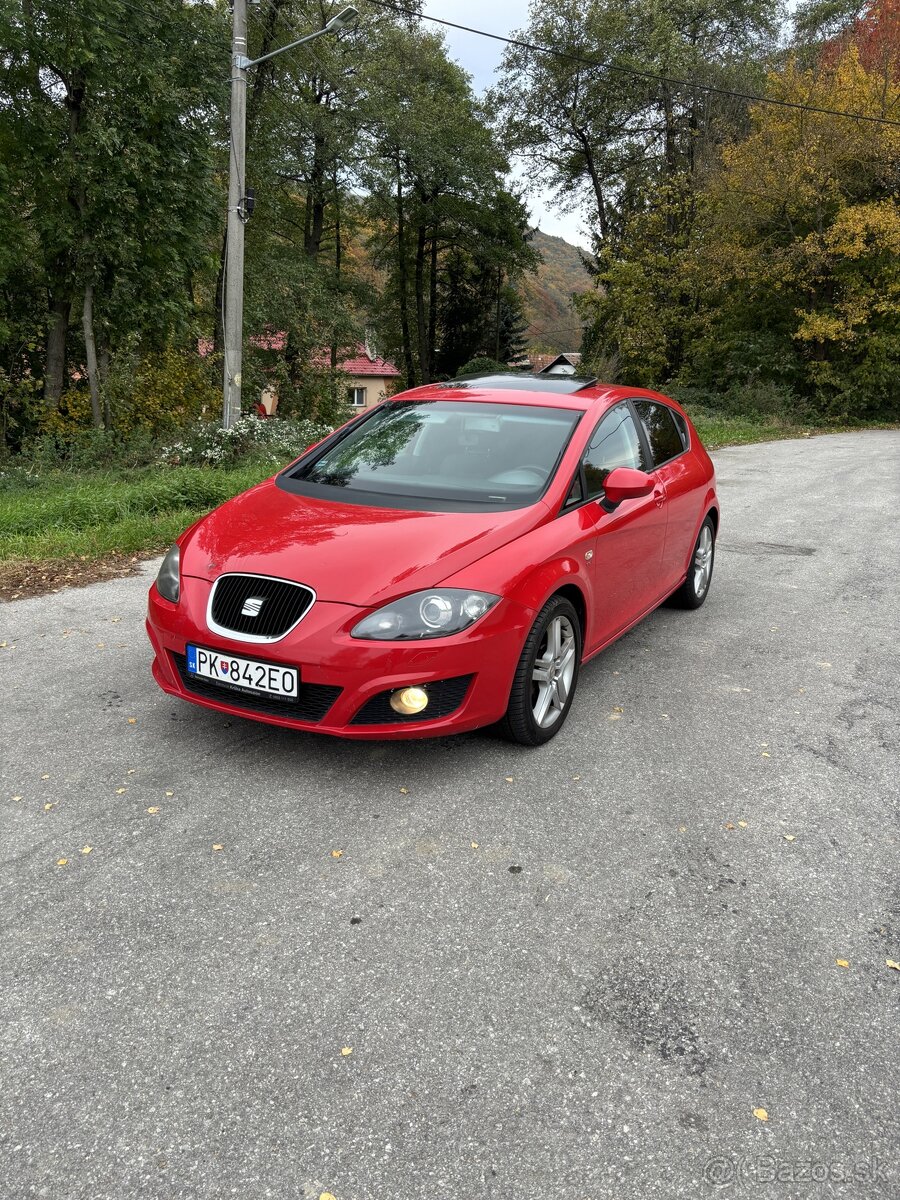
(552, 322)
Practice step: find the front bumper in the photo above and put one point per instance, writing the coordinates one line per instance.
(342, 679)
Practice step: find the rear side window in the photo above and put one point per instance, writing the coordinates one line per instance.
(663, 434)
(615, 444)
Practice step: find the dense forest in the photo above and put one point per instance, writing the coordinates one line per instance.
(741, 249)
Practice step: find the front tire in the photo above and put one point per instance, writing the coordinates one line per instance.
(546, 676)
(695, 588)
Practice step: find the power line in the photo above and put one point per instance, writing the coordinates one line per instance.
(653, 76)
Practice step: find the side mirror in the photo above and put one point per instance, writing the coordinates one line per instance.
(624, 483)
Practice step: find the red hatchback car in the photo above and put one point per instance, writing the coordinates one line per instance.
(445, 561)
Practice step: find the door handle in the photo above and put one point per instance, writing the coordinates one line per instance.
(659, 496)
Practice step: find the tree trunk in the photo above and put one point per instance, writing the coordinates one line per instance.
(432, 300)
(57, 331)
(421, 323)
(315, 201)
(90, 350)
(403, 285)
(596, 182)
(497, 326)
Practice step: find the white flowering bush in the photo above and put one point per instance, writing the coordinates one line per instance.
(250, 439)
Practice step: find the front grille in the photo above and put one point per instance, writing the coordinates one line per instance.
(444, 697)
(311, 704)
(283, 604)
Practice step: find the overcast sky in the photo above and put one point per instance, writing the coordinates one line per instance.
(480, 56)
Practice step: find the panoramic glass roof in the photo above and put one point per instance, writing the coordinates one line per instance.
(562, 385)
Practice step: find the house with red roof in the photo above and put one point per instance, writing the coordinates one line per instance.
(371, 376)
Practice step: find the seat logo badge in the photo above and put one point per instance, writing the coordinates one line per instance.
(588, 554)
(252, 606)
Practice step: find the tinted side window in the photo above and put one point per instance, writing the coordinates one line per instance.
(661, 430)
(615, 444)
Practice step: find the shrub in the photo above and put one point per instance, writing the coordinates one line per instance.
(249, 439)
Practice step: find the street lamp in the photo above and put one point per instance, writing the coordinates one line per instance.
(237, 207)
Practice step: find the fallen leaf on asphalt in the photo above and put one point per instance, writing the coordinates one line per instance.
(170, 793)
(62, 862)
(508, 778)
(345, 1050)
(131, 771)
(728, 825)
(788, 837)
(45, 777)
(893, 965)
(48, 806)
(760, 1114)
(742, 824)
(3, 645)
(86, 849)
(17, 798)
(404, 791)
(154, 808)
(474, 845)
(766, 754)
(337, 853)
(132, 720)
(218, 846)
(576, 777)
(682, 828)
(842, 962)
(115, 620)
(326, 1196)
(618, 708)
(121, 791)
(614, 716)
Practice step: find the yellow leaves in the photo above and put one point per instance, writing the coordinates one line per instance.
(404, 791)
(346, 1051)
(87, 849)
(895, 966)
(789, 837)
(326, 1196)
(62, 862)
(16, 799)
(217, 846)
(509, 778)
(337, 854)
(474, 845)
(842, 962)
(48, 806)
(45, 777)
(170, 793)
(729, 825)
(742, 824)
(616, 714)
(121, 791)
(132, 720)
(153, 810)
(760, 1114)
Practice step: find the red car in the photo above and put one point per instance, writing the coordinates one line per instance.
(445, 561)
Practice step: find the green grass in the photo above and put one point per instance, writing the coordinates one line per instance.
(93, 514)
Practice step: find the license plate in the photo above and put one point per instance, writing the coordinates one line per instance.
(267, 678)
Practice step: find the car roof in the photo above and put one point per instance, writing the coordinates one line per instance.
(560, 391)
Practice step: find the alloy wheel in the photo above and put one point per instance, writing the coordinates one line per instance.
(553, 672)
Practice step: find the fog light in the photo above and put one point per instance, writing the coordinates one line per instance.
(409, 700)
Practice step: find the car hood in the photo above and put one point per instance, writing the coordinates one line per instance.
(350, 554)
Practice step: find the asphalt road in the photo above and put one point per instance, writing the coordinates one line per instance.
(567, 972)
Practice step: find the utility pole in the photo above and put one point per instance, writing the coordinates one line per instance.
(233, 292)
(238, 207)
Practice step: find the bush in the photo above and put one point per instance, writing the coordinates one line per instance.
(251, 438)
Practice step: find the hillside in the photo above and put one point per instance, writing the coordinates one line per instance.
(552, 322)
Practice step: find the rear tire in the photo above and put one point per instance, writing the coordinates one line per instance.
(546, 676)
(695, 588)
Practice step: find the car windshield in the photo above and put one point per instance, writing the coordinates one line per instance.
(449, 454)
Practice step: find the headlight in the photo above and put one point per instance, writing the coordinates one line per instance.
(167, 581)
(435, 613)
